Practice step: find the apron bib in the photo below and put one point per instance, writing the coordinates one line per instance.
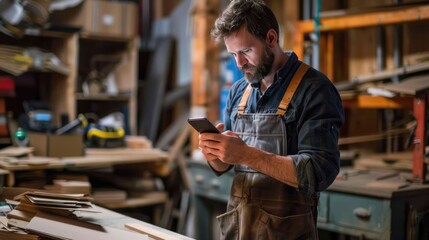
(261, 207)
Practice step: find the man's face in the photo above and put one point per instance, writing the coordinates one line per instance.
(253, 56)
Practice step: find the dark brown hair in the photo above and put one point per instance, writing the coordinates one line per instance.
(255, 15)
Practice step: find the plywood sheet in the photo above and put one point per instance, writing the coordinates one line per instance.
(66, 228)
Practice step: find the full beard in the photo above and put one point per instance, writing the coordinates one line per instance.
(261, 70)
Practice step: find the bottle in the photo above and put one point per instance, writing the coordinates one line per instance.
(21, 137)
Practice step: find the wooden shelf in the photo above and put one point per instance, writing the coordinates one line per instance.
(103, 97)
(384, 17)
(46, 33)
(84, 35)
(328, 25)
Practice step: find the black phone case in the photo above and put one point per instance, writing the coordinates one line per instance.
(202, 125)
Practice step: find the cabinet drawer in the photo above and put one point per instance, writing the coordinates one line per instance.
(359, 212)
(206, 183)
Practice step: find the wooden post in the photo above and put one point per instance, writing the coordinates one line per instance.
(62, 100)
(293, 39)
(419, 166)
(327, 50)
(205, 63)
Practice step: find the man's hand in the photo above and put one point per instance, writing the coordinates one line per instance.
(203, 144)
(226, 147)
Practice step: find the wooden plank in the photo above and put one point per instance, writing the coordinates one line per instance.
(366, 101)
(372, 163)
(387, 161)
(388, 16)
(394, 185)
(373, 137)
(386, 74)
(12, 151)
(147, 199)
(125, 152)
(157, 234)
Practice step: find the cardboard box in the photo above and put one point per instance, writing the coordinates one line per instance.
(164, 8)
(69, 145)
(101, 18)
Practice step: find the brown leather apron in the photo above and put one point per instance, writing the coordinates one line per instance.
(259, 206)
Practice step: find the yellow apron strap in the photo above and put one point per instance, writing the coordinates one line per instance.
(243, 102)
(293, 85)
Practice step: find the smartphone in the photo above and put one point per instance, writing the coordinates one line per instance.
(202, 125)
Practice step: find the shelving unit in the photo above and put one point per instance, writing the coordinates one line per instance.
(327, 26)
(343, 20)
(125, 74)
(63, 93)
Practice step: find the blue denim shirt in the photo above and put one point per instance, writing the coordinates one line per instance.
(312, 120)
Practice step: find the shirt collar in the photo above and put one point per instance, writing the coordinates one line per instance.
(287, 67)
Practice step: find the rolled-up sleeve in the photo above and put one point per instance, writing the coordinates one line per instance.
(317, 160)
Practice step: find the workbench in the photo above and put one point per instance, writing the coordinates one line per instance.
(371, 204)
(116, 220)
(108, 218)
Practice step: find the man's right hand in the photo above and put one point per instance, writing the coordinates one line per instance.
(213, 160)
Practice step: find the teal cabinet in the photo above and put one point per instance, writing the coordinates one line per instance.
(354, 215)
(206, 184)
(375, 204)
(365, 213)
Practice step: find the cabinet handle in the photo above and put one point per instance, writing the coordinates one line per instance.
(199, 178)
(215, 183)
(362, 213)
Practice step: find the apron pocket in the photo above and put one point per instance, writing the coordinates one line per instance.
(296, 227)
(229, 224)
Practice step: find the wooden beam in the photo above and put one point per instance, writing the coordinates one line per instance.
(385, 17)
(288, 16)
(327, 50)
(205, 62)
(298, 45)
(419, 142)
(199, 52)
